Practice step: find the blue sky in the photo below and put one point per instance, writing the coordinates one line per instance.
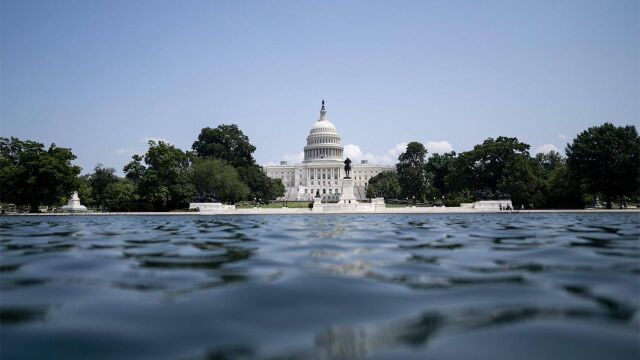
(103, 76)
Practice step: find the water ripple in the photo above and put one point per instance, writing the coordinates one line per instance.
(321, 287)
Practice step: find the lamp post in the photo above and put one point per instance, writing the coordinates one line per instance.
(407, 201)
(442, 200)
(414, 200)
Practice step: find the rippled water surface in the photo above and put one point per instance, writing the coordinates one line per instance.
(485, 286)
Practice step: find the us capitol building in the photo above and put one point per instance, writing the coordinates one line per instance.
(322, 170)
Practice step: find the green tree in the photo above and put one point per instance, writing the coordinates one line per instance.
(214, 179)
(262, 187)
(85, 192)
(412, 172)
(492, 168)
(606, 160)
(230, 144)
(559, 190)
(225, 142)
(163, 182)
(385, 184)
(519, 179)
(547, 162)
(119, 195)
(99, 180)
(440, 166)
(563, 191)
(276, 189)
(32, 175)
(135, 169)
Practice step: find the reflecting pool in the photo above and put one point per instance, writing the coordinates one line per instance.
(431, 286)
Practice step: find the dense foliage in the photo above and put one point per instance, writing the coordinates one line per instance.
(601, 162)
(32, 175)
(98, 181)
(606, 160)
(439, 166)
(226, 142)
(230, 144)
(386, 184)
(261, 186)
(120, 195)
(489, 167)
(215, 180)
(163, 181)
(414, 179)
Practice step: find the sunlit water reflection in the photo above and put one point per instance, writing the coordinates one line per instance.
(487, 286)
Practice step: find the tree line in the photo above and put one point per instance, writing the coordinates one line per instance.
(219, 167)
(601, 162)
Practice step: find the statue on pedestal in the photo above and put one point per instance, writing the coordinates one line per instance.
(347, 168)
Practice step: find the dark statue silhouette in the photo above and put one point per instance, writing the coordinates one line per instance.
(347, 168)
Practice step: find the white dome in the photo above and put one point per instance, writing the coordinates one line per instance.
(323, 142)
(323, 125)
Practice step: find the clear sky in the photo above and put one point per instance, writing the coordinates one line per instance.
(100, 77)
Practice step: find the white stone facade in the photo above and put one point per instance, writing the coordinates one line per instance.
(322, 170)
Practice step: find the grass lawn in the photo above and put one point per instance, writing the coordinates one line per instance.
(410, 204)
(395, 205)
(276, 204)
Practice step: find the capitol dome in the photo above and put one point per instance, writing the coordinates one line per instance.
(323, 125)
(323, 142)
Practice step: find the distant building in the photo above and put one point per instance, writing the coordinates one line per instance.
(323, 169)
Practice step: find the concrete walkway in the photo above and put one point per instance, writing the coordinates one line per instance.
(302, 211)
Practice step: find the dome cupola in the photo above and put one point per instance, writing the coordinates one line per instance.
(323, 142)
